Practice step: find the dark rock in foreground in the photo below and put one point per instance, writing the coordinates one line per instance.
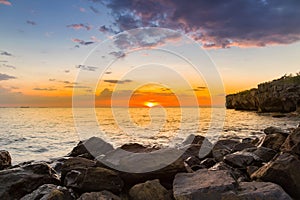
(203, 184)
(149, 190)
(5, 159)
(50, 192)
(284, 171)
(17, 182)
(103, 195)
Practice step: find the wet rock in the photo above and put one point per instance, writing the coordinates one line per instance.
(94, 179)
(5, 159)
(208, 162)
(242, 159)
(137, 148)
(222, 148)
(149, 190)
(284, 171)
(76, 163)
(273, 129)
(237, 174)
(103, 195)
(193, 164)
(91, 148)
(265, 154)
(242, 146)
(19, 181)
(193, 139)
(257, 191)
(135, 168)
(50, 192)
(274, 141)
(292, 143)
(203, 184)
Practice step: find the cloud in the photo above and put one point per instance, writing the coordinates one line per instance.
(118, 81)
(217, 24)
(80, 26)
(107, 29)
(81, 9)
(76, 86)
(52, 79)
(87, 68)
(8, 66)
(5, 2)
(4, 77)
(5, 53)
(95, 10)
(82, 42)
(44, 89)
(67, 71)
(31, 22)
(118, 54)
(201, 88)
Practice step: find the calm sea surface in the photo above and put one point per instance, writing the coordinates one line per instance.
(43, 133)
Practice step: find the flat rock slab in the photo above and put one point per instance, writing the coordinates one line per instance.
(203, 184)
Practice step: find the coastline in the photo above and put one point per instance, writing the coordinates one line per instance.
(262, 168)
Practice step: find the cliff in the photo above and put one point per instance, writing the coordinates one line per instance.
(280, 95)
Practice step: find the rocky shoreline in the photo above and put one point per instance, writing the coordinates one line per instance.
(280, 95)
(261, 168)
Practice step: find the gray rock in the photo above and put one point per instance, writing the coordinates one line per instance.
(242, 146)
(91, 148)
(222, 148)
(5, 159)
(50, 192)
(138, 148)
(149, 190)
(264, 153)
(257, 191)
(292, 143)
(103, 195)
(241, 159)
(94, 179)
(19, 181)
(272, 129)
(208, 162)
(274, 141)
(237, 174)
(203, 184)
(284, 171)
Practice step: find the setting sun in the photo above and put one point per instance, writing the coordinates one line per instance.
(150, 104)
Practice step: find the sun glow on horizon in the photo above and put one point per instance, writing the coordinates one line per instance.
(150, 104)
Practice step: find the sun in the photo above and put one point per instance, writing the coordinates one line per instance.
(150, 104)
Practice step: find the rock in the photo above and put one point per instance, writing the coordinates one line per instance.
(137, 148)
(91, 148)
(273, 129)
(279, 115)
(5, 159)
(50, 192)
(222, 148)
(208, 162)
(274, 141)
(76, 163)
(193, 164)
(149, 190)
(135, 168)
(242, 146)
(193, 139)
(292, 143)
(202, 184)
(242, 159)
(265, 154)
(19, 181)
(237, 174)
(284, 171)
(94, 179)
(103, 195)
(257, 191)
(246, 100)
(251, 170)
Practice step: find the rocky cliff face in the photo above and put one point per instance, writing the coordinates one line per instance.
(281, 95)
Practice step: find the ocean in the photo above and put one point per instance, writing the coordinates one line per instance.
(44, 133)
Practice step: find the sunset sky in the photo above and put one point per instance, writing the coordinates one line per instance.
(44, 45)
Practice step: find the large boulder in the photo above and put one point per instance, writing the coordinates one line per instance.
(91, 148)
(76, 163)
(292, 143)
(94, 179)
(242, 159)
(222, 148)
(103, 195)
(274, 141)
(5, 159)
(202, 184)
(149, 190)
(138, 148)
(19, 181)
(257, 191)
(265, 154)
(136, 168)
(50, 192)
(284, 171)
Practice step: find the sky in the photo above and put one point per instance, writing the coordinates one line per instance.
(51, 51)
